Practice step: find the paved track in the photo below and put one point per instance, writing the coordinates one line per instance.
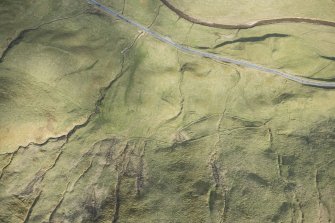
(216, 57)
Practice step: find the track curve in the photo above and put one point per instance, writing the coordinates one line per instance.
(186, 49)
(249, 25)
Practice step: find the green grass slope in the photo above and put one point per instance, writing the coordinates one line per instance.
(139, 132)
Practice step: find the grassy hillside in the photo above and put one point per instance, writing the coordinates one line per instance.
(102, 123)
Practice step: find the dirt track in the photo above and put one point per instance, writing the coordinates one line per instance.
(247, 25)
